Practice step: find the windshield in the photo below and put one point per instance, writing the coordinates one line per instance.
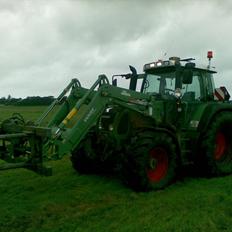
(165, 84)
(162, 83)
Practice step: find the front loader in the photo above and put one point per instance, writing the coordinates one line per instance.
(177, 118)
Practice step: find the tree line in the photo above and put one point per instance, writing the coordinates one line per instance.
(28, 101)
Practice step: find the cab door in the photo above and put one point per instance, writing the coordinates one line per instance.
(193, 95)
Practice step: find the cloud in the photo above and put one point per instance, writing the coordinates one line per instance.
(44, 44)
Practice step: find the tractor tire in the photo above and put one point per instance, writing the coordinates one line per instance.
(83, 158)
(216, 149)
(151, 161)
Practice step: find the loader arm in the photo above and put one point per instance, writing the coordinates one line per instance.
(89, 108)
(72, 85)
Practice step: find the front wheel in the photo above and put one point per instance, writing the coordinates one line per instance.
(151, 162)
(93, 156)
(84, 157)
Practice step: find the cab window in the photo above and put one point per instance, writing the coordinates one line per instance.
(163, 83)
(192, 92)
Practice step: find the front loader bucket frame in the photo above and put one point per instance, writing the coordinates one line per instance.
(34, 138)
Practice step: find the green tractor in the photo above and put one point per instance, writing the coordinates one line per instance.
(176, 119)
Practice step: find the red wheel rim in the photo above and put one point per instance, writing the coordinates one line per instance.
(220, 146)
(158, 164)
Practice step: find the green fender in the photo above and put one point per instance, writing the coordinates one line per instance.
(210, 111)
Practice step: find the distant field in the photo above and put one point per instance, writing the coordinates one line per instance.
(70, 202)
(29, 112)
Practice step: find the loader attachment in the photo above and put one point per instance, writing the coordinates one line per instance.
(25, 149)
(28, 146)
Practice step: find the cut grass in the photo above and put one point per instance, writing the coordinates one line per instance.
(68, 202)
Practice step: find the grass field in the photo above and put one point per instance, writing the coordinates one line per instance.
(70, 202)
(28, 112)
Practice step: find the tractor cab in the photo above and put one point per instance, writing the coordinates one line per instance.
(176, 78)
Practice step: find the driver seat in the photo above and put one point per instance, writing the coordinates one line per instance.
(188, 96)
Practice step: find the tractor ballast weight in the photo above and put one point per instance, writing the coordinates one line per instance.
(145, 135)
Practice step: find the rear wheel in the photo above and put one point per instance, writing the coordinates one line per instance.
(151, 162)
(217, 146)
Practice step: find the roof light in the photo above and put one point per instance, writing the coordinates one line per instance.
(175, 60)
(160, 63)
(166, 63)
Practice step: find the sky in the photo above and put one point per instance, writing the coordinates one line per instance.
(44, 44)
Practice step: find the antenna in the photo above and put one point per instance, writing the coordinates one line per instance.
(164, 55)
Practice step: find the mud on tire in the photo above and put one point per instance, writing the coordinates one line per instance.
(151, 161)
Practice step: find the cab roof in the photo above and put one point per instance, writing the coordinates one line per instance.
(172, 64)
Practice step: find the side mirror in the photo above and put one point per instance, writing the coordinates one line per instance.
(187, 77)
